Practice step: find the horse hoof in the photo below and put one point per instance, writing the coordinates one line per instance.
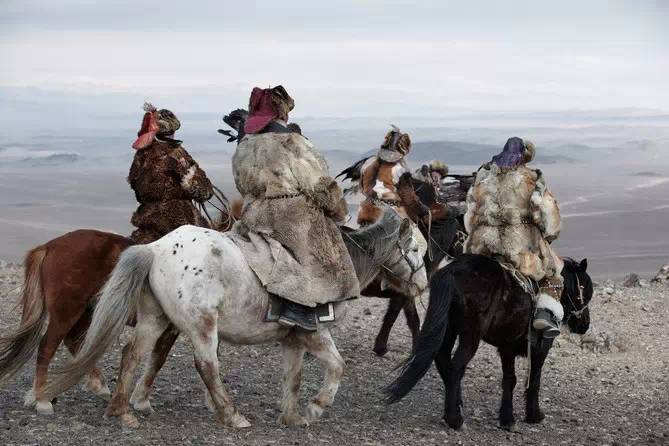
(143, 406)
(129, 420)
(512, 427)
(209, 402)
(535, 418)
(457, 424)
(293, 420)
(104, 393)
(29, 400)
(314, 412)
(380, 351)
(238, 421)
(44, 408)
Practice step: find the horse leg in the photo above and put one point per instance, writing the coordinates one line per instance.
(151, 323)
(95, 380)
(533, 413)
(413, 321)
(394, 307)
(506, 419)
(140, 396)
(54, 335)
(467, 346)
(322, 346)
(293, 356)
(443, 358)
(205, 345)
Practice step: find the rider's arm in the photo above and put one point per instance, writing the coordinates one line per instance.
(310, 171)
(545, 210)
(193, 179)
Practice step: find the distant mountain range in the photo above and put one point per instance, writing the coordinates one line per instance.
(451, 152)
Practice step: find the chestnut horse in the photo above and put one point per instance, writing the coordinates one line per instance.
(439, 226)
(62, 278)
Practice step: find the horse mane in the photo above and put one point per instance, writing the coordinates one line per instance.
(370, 246)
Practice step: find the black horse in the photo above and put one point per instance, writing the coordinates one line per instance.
(474, 299)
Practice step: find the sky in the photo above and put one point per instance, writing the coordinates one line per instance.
(342, 58)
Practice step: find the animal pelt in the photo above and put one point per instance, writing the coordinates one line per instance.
(287, 229)
(165, 179)
(513, 215)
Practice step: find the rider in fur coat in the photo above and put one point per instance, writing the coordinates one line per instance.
(512, 215)
(290, 214)
(379, 176)
(165, 178)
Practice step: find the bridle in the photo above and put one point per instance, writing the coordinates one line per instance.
(403, 256)
(578, 313)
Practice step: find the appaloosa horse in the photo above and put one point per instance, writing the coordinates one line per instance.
(473, 299)
(199, 281)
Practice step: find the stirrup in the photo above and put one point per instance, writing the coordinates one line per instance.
(544, 322)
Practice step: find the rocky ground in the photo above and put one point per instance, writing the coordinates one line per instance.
(607, 387)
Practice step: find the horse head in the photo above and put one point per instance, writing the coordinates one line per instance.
(389, 248)
(576, 295)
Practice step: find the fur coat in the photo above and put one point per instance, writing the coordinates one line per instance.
(512, 214)
(378, 181)
(166, 180)
(287, 229)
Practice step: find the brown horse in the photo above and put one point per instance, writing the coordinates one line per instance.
(439, 226)
(62, 279)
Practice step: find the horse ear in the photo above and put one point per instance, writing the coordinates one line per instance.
(583, 266)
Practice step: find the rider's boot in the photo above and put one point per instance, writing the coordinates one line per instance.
(298, 315)
(549, 312)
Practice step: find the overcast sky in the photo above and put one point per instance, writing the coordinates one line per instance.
(344, 57)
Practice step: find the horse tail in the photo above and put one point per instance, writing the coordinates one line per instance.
(236, 208)
(116, 304)
(17, 348)
(442, 294)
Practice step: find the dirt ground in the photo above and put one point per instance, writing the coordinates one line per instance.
(609, 387)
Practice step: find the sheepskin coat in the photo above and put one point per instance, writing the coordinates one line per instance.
(288, 229)
(165, 179)
(378, 181)
(512, 214)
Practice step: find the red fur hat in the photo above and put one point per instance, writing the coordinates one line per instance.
(261, 110)
(149, 128)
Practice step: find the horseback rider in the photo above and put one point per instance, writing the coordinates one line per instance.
(511, 215)
(290, 213)
(433, 172)
(379, 176)
(165, 179)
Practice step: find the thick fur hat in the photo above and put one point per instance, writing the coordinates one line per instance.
(168, 123)
(439, 166)
(396, 145)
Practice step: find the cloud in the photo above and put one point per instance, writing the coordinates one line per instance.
(383, 56)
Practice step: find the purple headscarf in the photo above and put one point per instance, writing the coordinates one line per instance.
(512, 155)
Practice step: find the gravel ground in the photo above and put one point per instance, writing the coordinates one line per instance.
(608, 387)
